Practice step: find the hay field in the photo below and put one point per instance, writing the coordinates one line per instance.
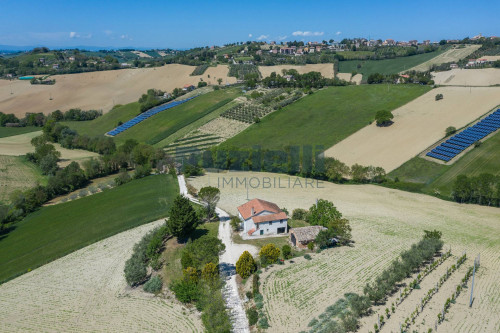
(384, 222)
(19, 145)
(451, 55)
(417, 125)
(325, 69)
(349, 78)
(468, 77)
(141, 54)
(99, 90)
(86, 291)
(16, 174)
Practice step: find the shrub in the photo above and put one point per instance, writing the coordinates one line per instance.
(450, 130)
(154, 285)
(256, 120)
(142, 171)
(307, 256)
(136, 267)
(478, 144)
(310, 246)
(299, 214)
(192, 190)
(186, 291)
(235, 223)
(384, 118)
(269, 253)
(183, 219)
(210, 273)
(245, 265)
(252, 316)
(263, 323)
(439, 97)
(202, 251)
(249, 294)
(287, 251)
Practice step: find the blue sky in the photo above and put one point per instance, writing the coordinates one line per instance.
(185, 24)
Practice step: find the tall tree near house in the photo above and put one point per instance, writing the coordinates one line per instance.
(219, 81)
(210, 196)
(182, 220)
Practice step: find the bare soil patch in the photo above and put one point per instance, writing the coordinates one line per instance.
(384, 222)
(349, 78)
(417, 125)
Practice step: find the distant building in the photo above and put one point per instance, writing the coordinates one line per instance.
(71, 58)
(55, 66)
(188, 87)
(426, 42)
(125, 65)
(413, 42)
(389, 42)
(453, 66)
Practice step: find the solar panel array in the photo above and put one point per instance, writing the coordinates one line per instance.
(458, 143)
(146, 115)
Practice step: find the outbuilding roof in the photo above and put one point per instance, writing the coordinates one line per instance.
(307, 234)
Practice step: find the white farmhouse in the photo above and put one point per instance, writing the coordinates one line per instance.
(262, 217)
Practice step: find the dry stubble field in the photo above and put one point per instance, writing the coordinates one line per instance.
(86, 292)
(15, 175)
(384, 222)
(325, 69)
(18, 145)
(468, 77)
(451, 55)
(417, 125)
(100, 90)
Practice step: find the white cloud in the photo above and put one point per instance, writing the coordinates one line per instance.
(250, 35)
(108, 32)
(74, 34)
(338, 33)
(126, 37)
(308, 33)
(282, 37)
(261, 37)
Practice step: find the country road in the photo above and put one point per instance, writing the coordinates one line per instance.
(227, 263)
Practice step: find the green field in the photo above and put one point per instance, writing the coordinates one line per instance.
(180, 116)
(438, 177)
(184, 114)
(326, 117)
(17, 173)
(55, 231)
(386, 66)
(11, 131)
(106, 122)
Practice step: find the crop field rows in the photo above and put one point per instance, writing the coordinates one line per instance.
(239, 71)
(384, 222)
(97, 300)
(246, 113)
(191, 144)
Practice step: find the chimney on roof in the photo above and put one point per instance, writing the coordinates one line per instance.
(253, 212)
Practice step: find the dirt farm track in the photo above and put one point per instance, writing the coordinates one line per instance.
(100, 90)
(384, 222)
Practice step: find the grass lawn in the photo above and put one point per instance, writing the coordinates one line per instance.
(11, 131)
(55, 231)
(172, 270)
(326, 117)
(386, 66)
(106, 122)
(434, 176)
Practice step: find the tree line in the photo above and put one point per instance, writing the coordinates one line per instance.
(483, 189)
(130, 155)
(423, 78)
(293, 79)
(39, 119)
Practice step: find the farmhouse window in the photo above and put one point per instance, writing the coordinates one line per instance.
(270, 223)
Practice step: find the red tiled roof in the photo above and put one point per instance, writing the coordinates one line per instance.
(258, 206)
(270, 217)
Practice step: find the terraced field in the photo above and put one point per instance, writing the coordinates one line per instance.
(384, 222)
(191, 144)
